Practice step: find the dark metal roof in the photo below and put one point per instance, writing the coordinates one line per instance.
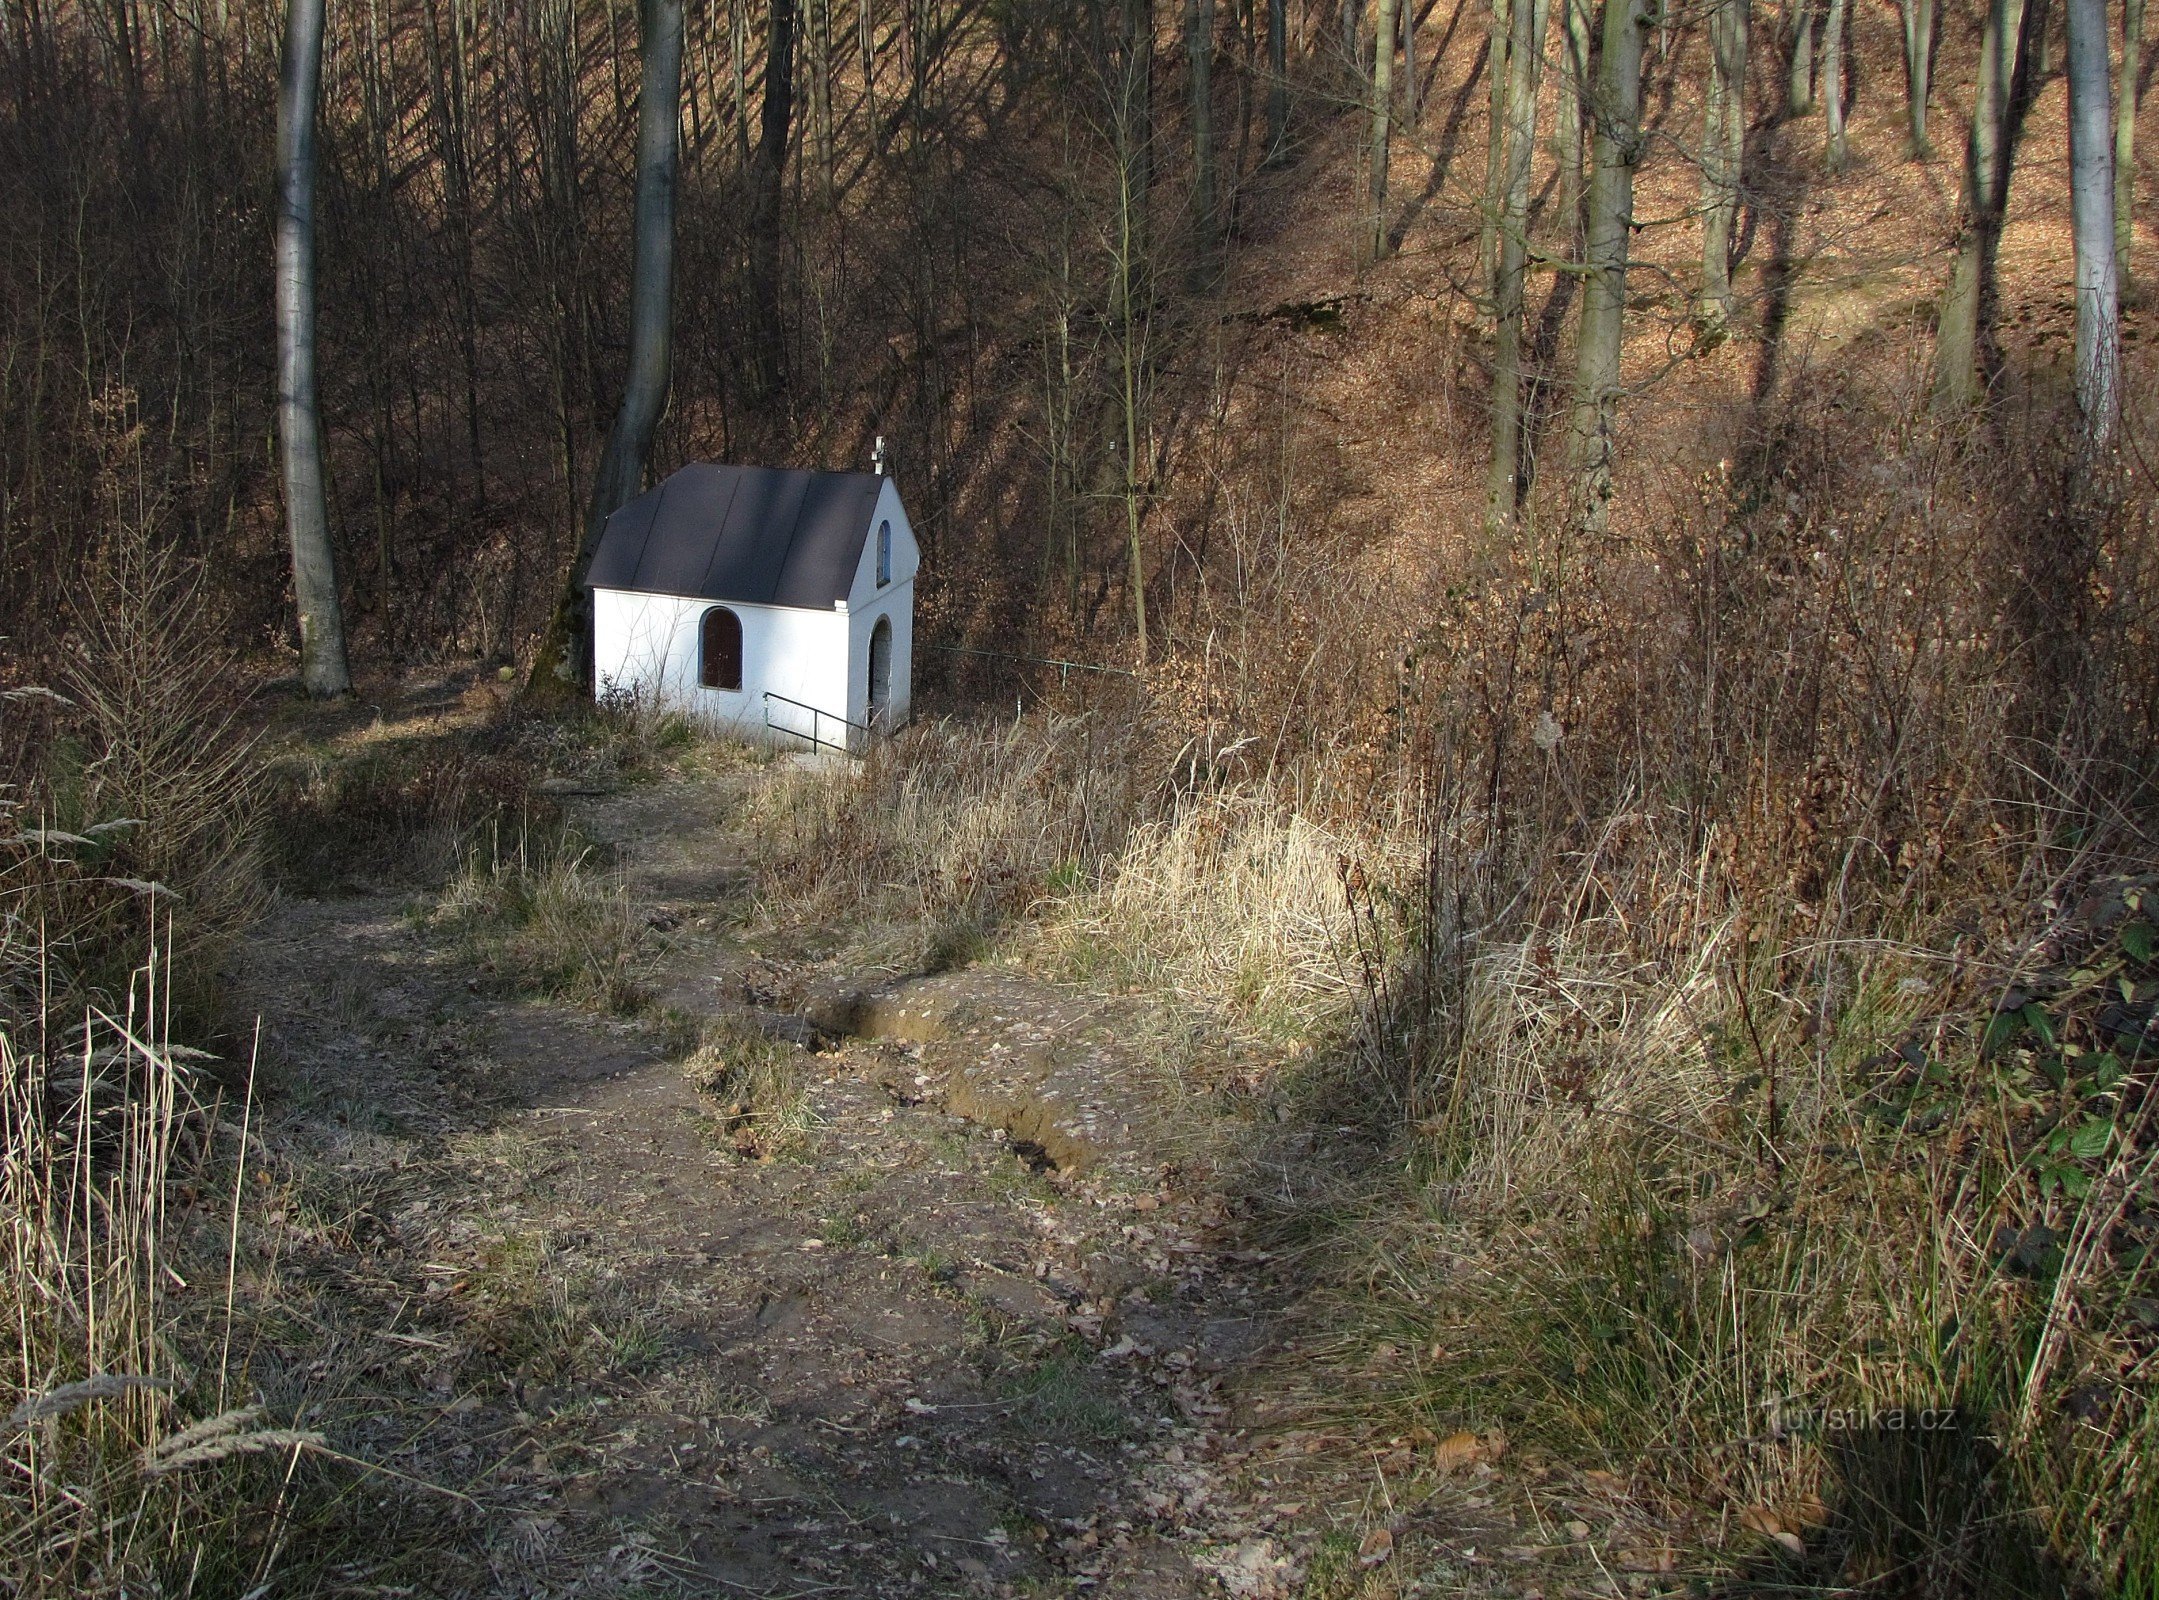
(767, 536)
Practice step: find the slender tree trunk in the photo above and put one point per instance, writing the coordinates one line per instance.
(1276, 50)
(1353, 35)
(2091, 186)
(1799, 87)
(1918, 19)
(566, 654)
(2125, 134)
(1724, 154)
(1503, 468)
(1574, 19)
(1199, 57)
(1617, 149)
(1838, 150)
(768, 179)
(1132, 123)
(1413, 81)
(1986, 190)
(821, 94)
(307, 510)
(1382, 119)
(1497, 74)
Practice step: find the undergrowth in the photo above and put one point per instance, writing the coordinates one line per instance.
(541, 915)
(756, 1085)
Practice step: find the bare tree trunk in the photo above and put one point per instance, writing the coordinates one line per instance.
(1724, 153)
(1132, 125)
(307, 510)
(2091, 186)
(1382, 119)
(566, 653)
(1503, 469)
(2125, 134)
(768, 174)
(1918, 19)
(1573, 119)
(1799, 87)
(821, 94)
(1278, 77)
(1986, 190)
(1199, 57)
(1838, 150)
(1353, 35)
(1617, 106)
(1413, 84)
(1496, 71)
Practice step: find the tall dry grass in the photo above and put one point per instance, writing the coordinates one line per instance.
(1734, 957)
(538, 911)
(1777, 1028)
(109, 1487)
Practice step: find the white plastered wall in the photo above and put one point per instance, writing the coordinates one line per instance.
(650, 643)
(867, 601)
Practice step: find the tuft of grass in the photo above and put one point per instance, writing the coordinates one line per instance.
(544, 918)
(943, 837)
(1233, 905)
(756, 1086)
(1060, 1399)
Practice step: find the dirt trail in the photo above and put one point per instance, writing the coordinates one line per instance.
(974, 1335)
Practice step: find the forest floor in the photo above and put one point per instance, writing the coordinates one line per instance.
(974, 1295)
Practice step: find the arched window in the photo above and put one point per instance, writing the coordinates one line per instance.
(719, 650)
(884, 554)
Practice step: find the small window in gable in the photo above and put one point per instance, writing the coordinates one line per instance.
(719, 653)
(884, 554)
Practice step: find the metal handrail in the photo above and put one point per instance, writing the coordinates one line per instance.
(817, 717)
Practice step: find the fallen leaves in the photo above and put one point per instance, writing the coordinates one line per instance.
(1771, 1525)
(1377, 1549)
(1466, 1449)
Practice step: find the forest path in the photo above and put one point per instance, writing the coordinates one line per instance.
(973, 1326)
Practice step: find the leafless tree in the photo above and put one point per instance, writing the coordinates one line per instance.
(1986, 193)
(1724, 148)
(2091, 184)
(567, 652)
(1617, 109)
(307, 511)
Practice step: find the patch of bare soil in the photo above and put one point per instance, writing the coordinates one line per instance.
(982, 1322)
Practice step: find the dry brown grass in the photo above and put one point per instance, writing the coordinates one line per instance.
(109, 1489)
(540, 912)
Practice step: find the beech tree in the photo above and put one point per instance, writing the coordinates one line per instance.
(1516, 133)
(1833, 38)
(768, 177)
(1495, 144)
(1724, 152)
(2125, 131)
(1382, 119)
(1617, 109)
(1277, 78)
(566, 653)
(1574, 25)
(1986, 193)
(323, 667)
(1802, 18)
(1199, 57)
(1917, 17)
(2091, 185)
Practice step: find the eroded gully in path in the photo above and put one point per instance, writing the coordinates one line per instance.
(978, 1332)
